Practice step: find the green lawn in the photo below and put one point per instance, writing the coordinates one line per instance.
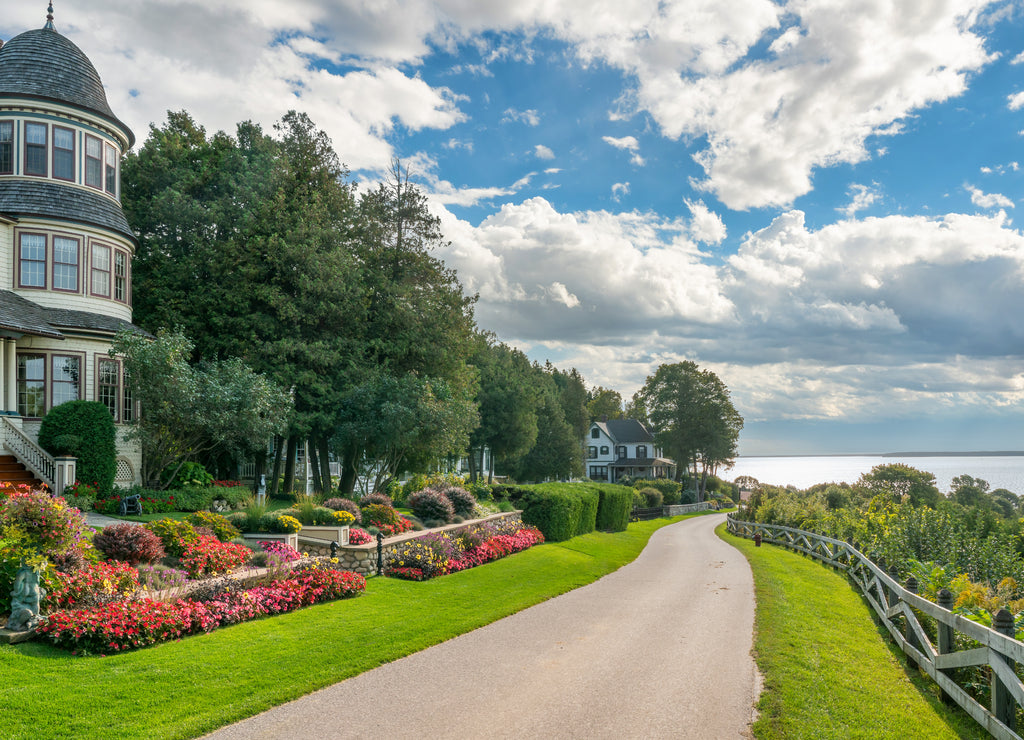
(187, 688)
(829, 670)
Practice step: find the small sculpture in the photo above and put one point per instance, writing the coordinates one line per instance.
(25, 598)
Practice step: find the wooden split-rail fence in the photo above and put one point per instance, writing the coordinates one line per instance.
(902, 612)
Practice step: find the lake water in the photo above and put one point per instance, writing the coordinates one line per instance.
(1001, 471)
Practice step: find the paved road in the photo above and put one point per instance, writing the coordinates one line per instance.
(658, 649)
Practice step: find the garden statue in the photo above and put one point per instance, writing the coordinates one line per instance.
(25, 598)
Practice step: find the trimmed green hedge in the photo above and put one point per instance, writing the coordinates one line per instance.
(83, 429)
(560, 510)
(613, 507)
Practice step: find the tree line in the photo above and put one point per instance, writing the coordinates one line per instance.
(307, 308)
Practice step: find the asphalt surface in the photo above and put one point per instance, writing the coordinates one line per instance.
(659, 649)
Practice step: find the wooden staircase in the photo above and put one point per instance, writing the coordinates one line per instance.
(12, 471)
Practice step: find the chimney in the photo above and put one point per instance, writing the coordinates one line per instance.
(604, 418)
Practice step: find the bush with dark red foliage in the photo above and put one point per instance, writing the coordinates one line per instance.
(462, 500)
(432, 505)
(129, 543)
(381, 499)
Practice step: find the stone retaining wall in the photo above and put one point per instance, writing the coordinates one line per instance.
(363, 558)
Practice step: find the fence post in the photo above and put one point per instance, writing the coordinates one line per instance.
(1003, 705)
(908, 624)
(945, 632)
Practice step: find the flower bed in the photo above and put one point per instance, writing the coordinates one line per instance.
(127, 625)
(440, 553)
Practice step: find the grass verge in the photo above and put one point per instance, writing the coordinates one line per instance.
(829, 670)
(187, 688)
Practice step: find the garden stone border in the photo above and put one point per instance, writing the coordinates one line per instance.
(362, 559)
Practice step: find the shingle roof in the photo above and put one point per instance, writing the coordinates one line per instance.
(64, 202)
(626, 431)
(43, 64)
(21, 315)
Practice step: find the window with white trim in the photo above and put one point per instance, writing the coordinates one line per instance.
(65, 264)
(32, 260)
(100, 284)
(63, 153)
(35, 149)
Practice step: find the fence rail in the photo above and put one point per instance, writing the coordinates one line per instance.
(900, 610)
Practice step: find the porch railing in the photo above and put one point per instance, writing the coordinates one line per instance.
(31, 455)
(900, 610)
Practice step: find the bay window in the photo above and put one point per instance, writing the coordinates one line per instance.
(65, 264)
(93, 162)
(6, 147)
(121, 276)
(108, 385)
(35, 149)
(63, 153)
(101, 270)
(110, 170)
(32, 261)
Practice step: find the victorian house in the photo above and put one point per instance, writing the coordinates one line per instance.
(618, 448)
(65, 245)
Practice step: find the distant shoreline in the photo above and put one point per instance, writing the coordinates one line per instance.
(988, 453)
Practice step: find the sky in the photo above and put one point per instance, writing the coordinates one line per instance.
(814, 199)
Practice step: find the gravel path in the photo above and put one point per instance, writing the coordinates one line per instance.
(658, 649)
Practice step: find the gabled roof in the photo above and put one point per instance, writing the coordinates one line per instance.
(626, 431)
(45, 65)
(20, 315)
(64, 202)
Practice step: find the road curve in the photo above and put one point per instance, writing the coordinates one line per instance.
(660, 648)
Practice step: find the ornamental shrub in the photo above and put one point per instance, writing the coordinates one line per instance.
(378, 515)
(175, 535)
(222, 529)
(560, 511)
(91, 585)
(188, 475)
(345, 504)
(613, 507)
(129, 543)
(431, 504)
(670, 489)
(376, 498)
(195, 498)
(462, 501)
(416, 483)
(92, 424)
(652, 497)
(80, 495)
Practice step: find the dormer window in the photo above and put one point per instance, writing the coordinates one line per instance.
(6, 147)
(63, 153)
(35, 149)
(93, 162)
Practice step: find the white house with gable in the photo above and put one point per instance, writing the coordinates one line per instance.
(624, 447)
